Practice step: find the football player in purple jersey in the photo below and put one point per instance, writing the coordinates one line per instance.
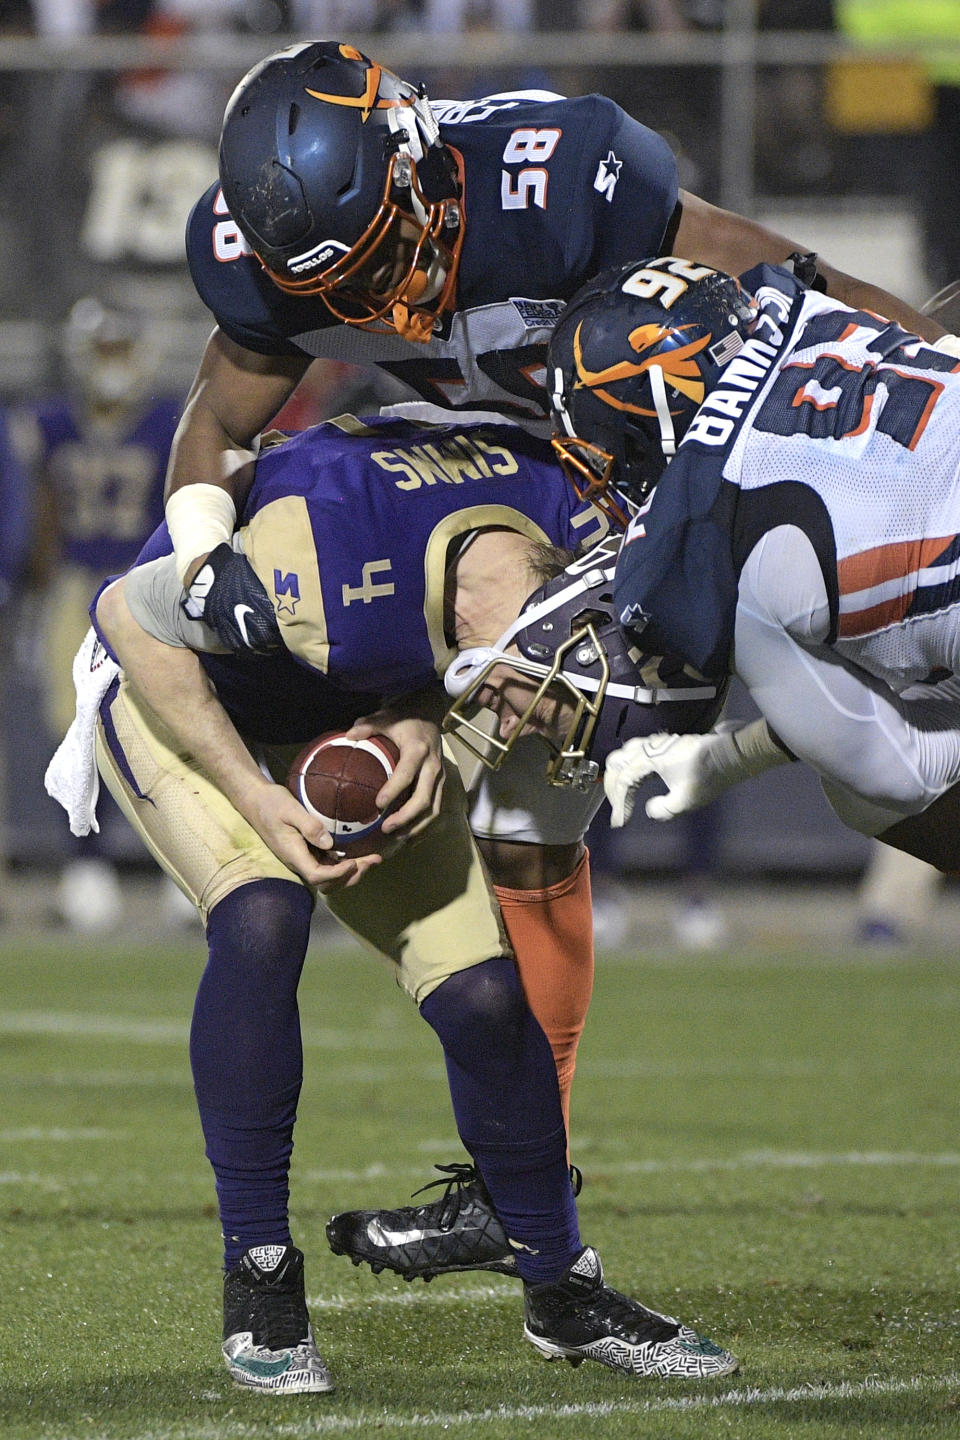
(386, 556)
(97, 449)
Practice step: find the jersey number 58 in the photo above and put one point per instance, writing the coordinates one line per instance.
(529, 185)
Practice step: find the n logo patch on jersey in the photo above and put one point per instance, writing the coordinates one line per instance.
(286, 591)
(608, 173)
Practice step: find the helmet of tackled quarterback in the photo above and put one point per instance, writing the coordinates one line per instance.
(631, 360)
(568, 640)
(334, 170)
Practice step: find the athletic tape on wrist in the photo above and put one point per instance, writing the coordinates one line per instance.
(757, 748)
(199, 517)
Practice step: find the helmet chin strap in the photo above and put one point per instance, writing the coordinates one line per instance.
(668, 436)
(461, 673)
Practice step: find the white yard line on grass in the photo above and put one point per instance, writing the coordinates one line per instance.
(166, 1032)
(449, 1295)
(751, 1160)
(396, 1052)
(747, 1397)
(56, 1132)
(758, 1160)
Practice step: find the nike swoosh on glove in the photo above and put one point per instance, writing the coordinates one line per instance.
(227, 595)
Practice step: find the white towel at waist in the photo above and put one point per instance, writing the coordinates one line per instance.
(72, 777)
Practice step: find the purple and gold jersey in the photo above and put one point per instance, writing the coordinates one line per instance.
(349, 526)
(107, 484)
(554, 191)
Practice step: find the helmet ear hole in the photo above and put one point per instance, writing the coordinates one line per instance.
(636, 452)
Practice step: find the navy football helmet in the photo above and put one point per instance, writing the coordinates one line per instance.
(333, 169)
(568, 636)
(632, 359)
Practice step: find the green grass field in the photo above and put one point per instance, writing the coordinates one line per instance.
(769, 1147)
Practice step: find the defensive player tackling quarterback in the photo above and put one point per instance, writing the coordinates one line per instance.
(789, 469)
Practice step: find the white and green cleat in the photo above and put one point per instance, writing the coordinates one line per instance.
(268, 1342)
(580, 1318)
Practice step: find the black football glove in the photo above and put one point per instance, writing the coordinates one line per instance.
(227, 595)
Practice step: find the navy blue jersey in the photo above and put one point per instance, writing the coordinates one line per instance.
(554, 191)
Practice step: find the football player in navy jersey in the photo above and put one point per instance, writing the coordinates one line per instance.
(384, 550)
(354, 219)
(792, 464)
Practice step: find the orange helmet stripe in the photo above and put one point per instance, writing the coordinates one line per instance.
(370, 99)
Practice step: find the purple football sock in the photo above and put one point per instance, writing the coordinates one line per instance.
(247, 1058)
(503, 1084)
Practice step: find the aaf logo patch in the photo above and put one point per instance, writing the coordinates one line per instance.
(286, 591)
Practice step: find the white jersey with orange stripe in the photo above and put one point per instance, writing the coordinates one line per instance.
(867, 418)
(884, 750)
(807, 537)
(847, 630)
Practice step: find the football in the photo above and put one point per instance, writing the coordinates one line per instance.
(338, 780)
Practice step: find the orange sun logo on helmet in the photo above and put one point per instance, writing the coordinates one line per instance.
(371, 99)
(679, 366)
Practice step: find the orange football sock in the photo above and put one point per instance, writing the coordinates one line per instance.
(551, 932)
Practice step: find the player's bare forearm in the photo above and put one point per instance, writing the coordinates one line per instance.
(734, 243)
(235, 395)
(173, 684)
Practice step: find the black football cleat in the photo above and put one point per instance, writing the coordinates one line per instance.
(268, 1342)
(580, 1318)
(459, 1231)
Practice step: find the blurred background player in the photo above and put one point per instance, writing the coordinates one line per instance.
(98, 451)
(17, 508)
(695, 913)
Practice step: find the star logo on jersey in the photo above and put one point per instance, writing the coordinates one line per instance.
(286, 591)
(608, 173)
